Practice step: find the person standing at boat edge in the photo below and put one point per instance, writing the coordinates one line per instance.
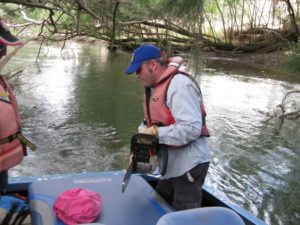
(174, 112)
(12, 142)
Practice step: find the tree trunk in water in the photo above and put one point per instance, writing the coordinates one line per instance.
(292, 17)
(114, 26)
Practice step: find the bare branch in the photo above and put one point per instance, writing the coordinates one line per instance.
(281, 111)
(29, 4)
(287, 94)
(85, 8)
(4, 61)
(26, 18)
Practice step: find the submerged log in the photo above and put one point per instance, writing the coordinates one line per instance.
(289, 108)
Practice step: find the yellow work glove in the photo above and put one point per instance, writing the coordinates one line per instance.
(151, 130)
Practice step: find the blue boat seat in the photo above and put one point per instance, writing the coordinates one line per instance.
(202, 216)
(139, 204)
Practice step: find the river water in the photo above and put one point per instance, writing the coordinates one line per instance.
(81, 111)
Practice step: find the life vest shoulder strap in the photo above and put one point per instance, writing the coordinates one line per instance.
(18, 134)
(22, 139)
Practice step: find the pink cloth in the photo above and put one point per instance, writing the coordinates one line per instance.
(78, 205)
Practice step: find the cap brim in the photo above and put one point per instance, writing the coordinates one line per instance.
(133, 67)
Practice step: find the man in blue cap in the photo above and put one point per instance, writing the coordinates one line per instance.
(174, 112)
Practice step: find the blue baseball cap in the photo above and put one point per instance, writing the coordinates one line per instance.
(140, 55)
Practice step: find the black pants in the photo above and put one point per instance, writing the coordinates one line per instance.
(3, 181)
(184, 192)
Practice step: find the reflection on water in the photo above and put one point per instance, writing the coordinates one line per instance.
(69, 105)
(81, 111)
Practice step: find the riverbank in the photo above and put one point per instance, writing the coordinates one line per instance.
(272, 61)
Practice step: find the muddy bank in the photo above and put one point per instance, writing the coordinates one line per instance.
(273, 61)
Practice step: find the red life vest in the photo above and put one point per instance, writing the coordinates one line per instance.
(12, 150)
(156, 110)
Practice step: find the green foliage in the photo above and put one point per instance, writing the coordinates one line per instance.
(9, 11)
(182, 8)
(187, 12)
(210, 7)
(139, 10)
(292, 63)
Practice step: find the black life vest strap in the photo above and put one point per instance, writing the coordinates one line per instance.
(8, 139)
(21, 137)
(147, 98)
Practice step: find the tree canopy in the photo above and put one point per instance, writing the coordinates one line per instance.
(235, 25)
